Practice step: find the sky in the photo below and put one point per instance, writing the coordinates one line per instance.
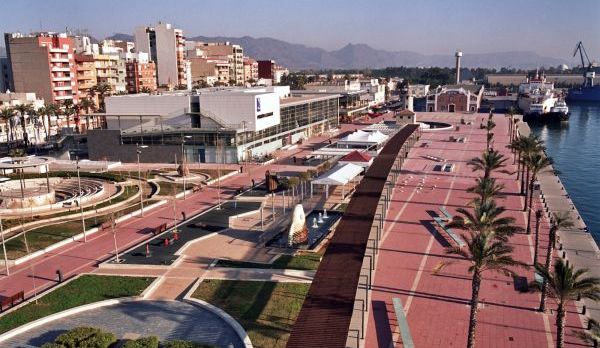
(548, 27)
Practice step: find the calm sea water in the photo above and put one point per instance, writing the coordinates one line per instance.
(575, 148)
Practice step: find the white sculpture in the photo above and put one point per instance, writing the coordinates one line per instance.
(320, 218)
(325, 213)
(315, 225)
(298, 231)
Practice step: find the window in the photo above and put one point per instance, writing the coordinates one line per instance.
(269, 114)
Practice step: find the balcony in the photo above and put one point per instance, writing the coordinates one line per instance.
(66, 69)
(63, 97)
(63, 88)
(59, 60)
(58, 50)
(61, 78)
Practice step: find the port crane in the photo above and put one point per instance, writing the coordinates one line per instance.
(588, 74)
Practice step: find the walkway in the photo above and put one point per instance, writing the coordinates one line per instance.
(168, 320)
(437, 306)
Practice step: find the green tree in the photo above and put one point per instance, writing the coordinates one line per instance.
(488, 162)
(7, 115)
(102, 89)
(486, 189)
(483, 252)
(536, 163)
(89, 106)
(567, 284)
(592, 336)
(24, 110)
(560, 220)
(485, 218)
(538, 218)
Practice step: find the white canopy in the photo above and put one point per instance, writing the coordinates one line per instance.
(375, 137)
(340, 175)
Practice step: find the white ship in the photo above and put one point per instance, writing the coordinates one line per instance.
(538, 100)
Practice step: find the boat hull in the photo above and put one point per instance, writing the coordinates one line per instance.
(588, 94)
(548, 117)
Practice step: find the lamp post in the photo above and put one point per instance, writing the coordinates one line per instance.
(80, 202)
(138, 152)
(218, 147)
(183, 161)
(114, 232)
(4, 247)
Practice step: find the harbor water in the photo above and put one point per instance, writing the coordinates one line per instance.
(575, 149)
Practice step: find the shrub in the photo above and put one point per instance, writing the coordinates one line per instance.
(182, 344)
(85, 337)
(144, 342)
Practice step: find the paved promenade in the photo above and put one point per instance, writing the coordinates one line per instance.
(437, 305)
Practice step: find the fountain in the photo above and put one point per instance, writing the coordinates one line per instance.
(320, 218)
(325, 214)
(298, 232)
(315, 225)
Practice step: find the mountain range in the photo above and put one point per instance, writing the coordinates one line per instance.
(360, 56)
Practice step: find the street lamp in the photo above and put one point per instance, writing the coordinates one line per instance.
(4, 245)
(183, 161)
(218, 147)
(80, 202)
(138, 152)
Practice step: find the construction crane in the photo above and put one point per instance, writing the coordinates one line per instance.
(588, 73)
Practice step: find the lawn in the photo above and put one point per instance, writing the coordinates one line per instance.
(172, 188)
(42, 237)
(266, 310)
(306, 261)
(83, 290)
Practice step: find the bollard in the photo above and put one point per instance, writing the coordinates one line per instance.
(583, 310)
(59, 275)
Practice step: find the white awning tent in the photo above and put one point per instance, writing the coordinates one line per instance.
(362, 137)
(338, 176)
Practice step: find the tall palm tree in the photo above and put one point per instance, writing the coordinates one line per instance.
(23, 110)
(43, 112)
(484, 252)
(561, 220)
(52, 109)
(87, 105)
(488, 162)
(536, 163)
(68, 110)
(567, 284)
(102, 89)
(486, 217)
(529, 145)
(7, 115)
(486, 189)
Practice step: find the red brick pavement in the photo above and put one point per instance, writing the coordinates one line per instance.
(437, 306)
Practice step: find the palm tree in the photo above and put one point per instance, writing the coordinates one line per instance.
(68, 109)
(529, 145)
(592, 335)
(43, 112)
(486, 189)
(536, 162)
(488, 162)
(561, 220)
(52, 109)
(87, 105)
(101, 89)
(7, 114)
(485, 218)
(23, 110)
(484, 252)
(538, 217)
(567, 284)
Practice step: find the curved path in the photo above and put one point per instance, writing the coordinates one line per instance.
(168, 320)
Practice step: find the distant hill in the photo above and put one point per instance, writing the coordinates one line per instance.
(121, 36)
(358, 56)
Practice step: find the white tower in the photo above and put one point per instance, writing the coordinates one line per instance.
(458, 54)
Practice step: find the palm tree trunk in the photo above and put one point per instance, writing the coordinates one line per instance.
(549, 252)
(518, 164)
(537, 238)
(560, 326)
(527, 188)
(523, 178)
(475, 285)
(530, 204)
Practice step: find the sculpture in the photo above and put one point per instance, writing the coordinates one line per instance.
(298, 232)
(320, 218)
(325, 213)
(183, 169)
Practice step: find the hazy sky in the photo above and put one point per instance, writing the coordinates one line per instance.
(549, 27)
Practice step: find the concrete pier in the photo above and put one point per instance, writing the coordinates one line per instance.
(575, 244)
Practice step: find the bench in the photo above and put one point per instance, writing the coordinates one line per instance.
(446, 213)
(10, 301)
(455, 237)
(407, 341)
(538, 278)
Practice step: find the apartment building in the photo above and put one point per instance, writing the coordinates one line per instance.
(250, 69)
(233, 53)
(266, 69)
(86, 75)
(140, 73)
(166, 48)
(213, 71)
(110, 69)
(5, 77)
(43, 63)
